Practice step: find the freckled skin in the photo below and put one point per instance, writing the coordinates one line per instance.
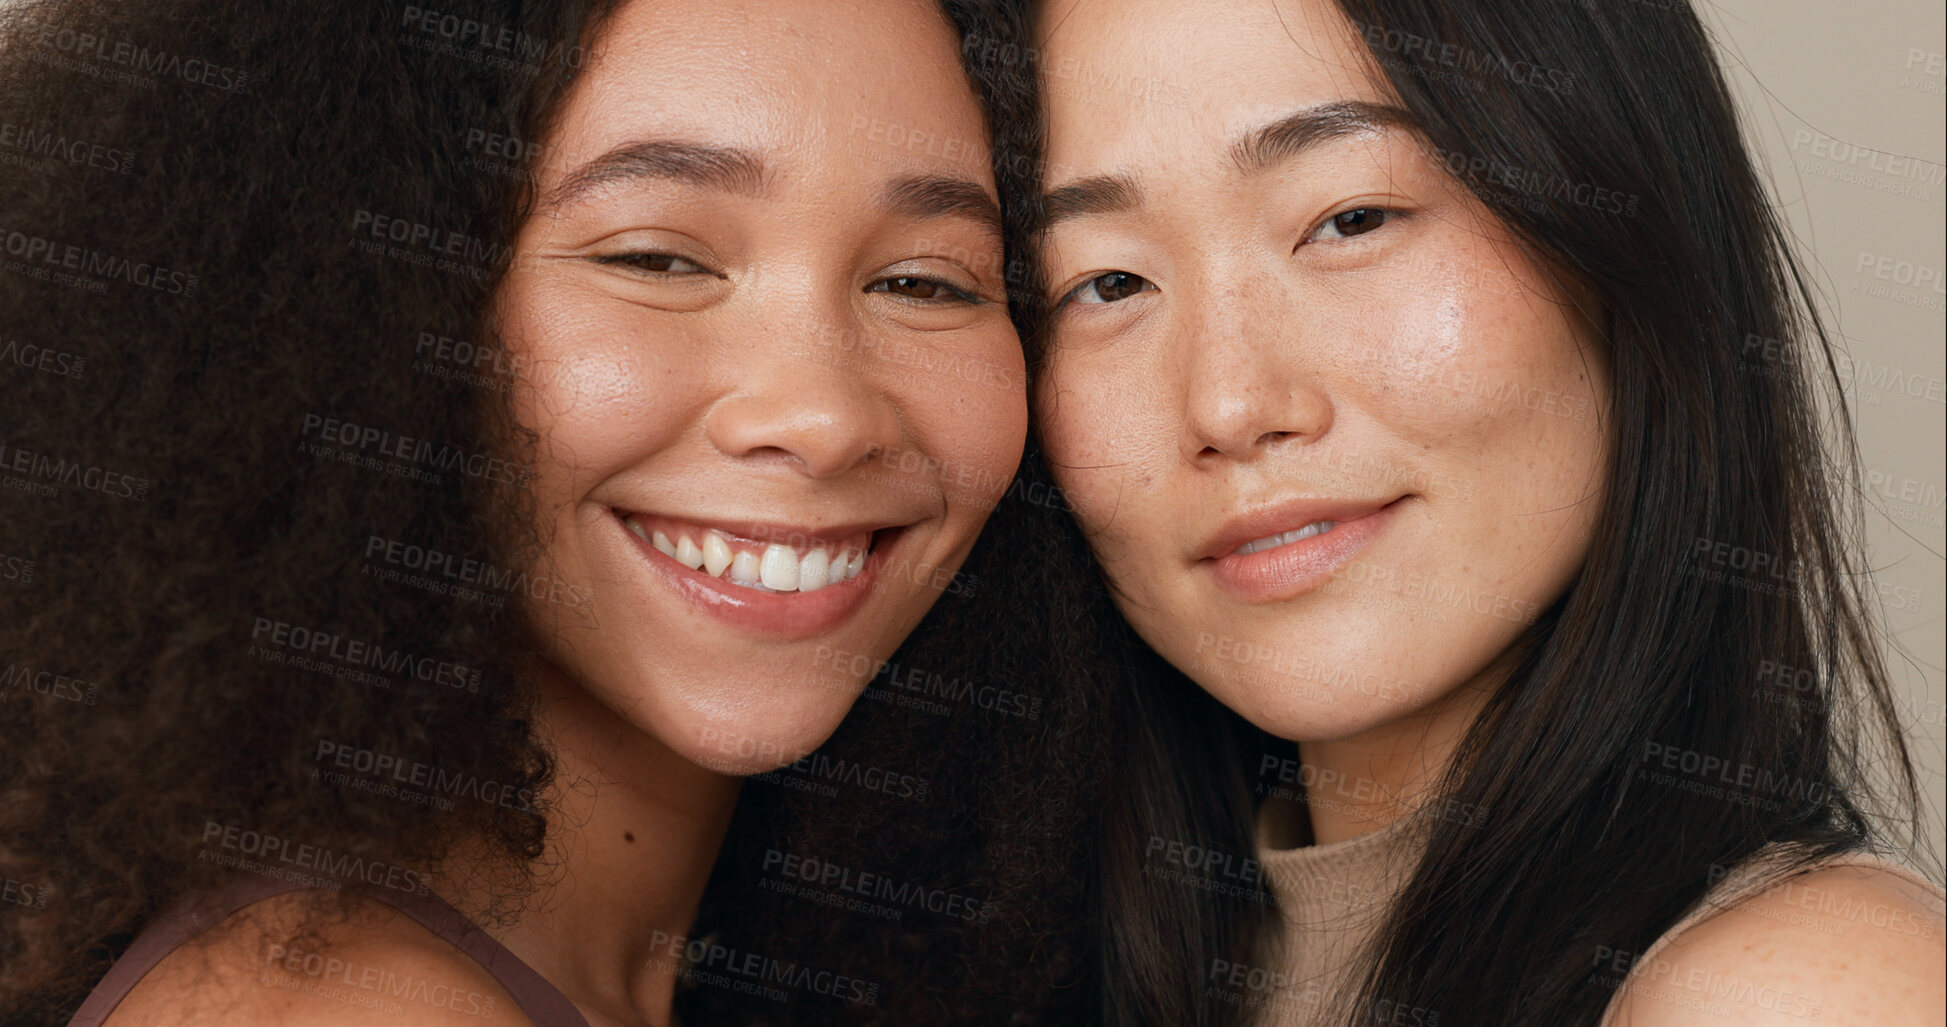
(1410, 360)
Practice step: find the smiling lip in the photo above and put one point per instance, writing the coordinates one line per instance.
(1284, 571)
(783, 615)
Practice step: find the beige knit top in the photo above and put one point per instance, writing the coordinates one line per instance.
(1333, 896)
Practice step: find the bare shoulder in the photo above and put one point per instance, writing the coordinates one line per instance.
(1839, 945)
(261, 966)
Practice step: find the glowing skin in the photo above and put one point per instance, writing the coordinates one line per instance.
(734, 336)
(1407, 373)
(724, 354)
(724, 308)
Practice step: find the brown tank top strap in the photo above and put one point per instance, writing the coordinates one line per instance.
(542, 1002)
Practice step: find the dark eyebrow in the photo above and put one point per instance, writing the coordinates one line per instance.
(938, 196)
(721, 168)
(1293, 134)
(1102, 194)
(1279, 141)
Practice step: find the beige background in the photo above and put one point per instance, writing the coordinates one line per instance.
(1815, 77)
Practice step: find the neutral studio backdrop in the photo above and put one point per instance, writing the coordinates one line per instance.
(1843, 104)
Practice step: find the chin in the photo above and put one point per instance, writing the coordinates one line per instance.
(738, 734)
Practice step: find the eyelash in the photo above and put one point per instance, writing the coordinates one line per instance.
(1386, 216)
(634, 262)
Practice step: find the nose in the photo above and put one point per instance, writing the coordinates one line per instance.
(1247, 384)
(810, 401)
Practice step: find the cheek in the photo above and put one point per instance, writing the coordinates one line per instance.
(1482, 364)
(978, 419)
(600, 392)
(1078, 425)
(1099, 429)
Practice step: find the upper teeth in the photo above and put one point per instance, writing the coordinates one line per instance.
(1274, 541)
(774, 568)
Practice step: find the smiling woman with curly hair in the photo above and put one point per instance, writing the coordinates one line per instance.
(449, 450)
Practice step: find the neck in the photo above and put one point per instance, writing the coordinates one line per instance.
(1364, 782)
(632, 835)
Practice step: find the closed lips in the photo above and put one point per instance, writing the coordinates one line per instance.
(802, 564)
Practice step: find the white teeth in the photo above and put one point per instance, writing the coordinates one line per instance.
(1274, 541)
(815, 572)
(780, 568)
(688, 554)
(716, 554)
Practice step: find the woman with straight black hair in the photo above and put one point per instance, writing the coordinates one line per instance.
(1522, 663)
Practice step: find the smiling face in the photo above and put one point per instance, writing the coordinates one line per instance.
(752, 326)
(1335, 436)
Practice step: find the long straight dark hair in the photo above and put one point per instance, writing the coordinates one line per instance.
(1723, 613)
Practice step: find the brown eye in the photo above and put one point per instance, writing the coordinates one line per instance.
(654, 263)
(913, 287)
(1353, 222)
(1110, 287)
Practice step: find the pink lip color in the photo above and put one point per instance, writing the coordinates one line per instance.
(1298, 567)
(782, 615)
